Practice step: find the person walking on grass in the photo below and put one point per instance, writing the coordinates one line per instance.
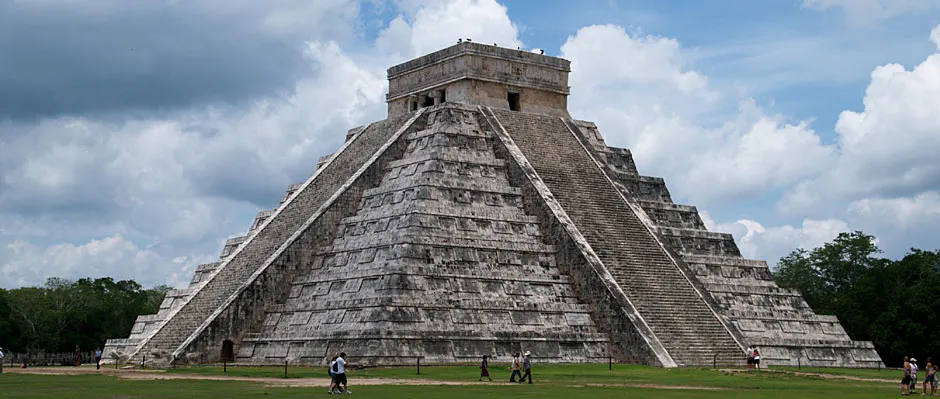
(1, 360)
(931, 378)
(339, 368)
(485, 368)
(78, 356)
(914, 370)
(330, 368)
(97, 358)
(906, 380)
(516, 368)
(527, 367)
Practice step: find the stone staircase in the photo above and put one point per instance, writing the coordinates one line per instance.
(255, 252)
(678, 315)
(439, 261)
(742, 291)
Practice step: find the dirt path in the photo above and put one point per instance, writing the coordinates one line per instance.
(136, 374)
(820, 375)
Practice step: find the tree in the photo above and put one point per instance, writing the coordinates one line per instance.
(63, 313)
(890, 303)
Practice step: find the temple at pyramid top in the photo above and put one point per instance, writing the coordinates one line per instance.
(480, 74)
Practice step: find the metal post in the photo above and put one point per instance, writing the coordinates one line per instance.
(610, 362)
(419, 366)
(143, 363)
(715, 360)
(799, 364)
(285, 369)
(224, 368)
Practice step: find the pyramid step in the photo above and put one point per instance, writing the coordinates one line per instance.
(625, 246)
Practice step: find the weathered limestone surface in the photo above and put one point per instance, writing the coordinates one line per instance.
(777, 321)
(672, 307)
(253, 254)
(440, 261)
(480, 218)
(477, 74)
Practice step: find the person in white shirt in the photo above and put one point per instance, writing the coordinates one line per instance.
(339, 370)
(1, 360)
(332, 375)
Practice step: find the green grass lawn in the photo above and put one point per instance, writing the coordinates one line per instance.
(551, 381)
(548, 373)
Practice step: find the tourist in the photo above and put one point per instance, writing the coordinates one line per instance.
(97, 358)
(756, 355)
(527, 366)
(331, 369)
(931, 378)
(906, 380)
(78, 356)
(1, 360)
(485, 368)
(516, 368)
(750, 357)
(339, 369)
(914, 369)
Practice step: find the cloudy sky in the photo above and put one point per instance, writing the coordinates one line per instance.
(135, 137)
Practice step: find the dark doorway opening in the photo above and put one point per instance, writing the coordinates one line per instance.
(514, 102)
(443, 96)
(428, 101)
(414, 105)
(228, 351)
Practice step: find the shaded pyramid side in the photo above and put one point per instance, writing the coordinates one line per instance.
(663, 297)
(778, 321)
(145, 325)
(439, 262)
(225, 299)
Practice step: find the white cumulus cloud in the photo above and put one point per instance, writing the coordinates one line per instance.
(183, 182)
(886, 150)
(643, 95)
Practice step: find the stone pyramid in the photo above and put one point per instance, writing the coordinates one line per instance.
(480, 218)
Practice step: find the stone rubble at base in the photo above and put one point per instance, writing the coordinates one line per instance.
(480, 218)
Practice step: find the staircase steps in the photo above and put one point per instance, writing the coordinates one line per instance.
(242, 264)
(681, 320)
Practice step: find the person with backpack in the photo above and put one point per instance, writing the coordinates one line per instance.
(332, 374)
(516, 368)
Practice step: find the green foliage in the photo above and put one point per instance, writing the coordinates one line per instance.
(63, 313)
(890, 303)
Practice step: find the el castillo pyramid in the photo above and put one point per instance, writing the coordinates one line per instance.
(480, 218)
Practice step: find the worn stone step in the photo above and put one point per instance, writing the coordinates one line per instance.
(625, 246)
